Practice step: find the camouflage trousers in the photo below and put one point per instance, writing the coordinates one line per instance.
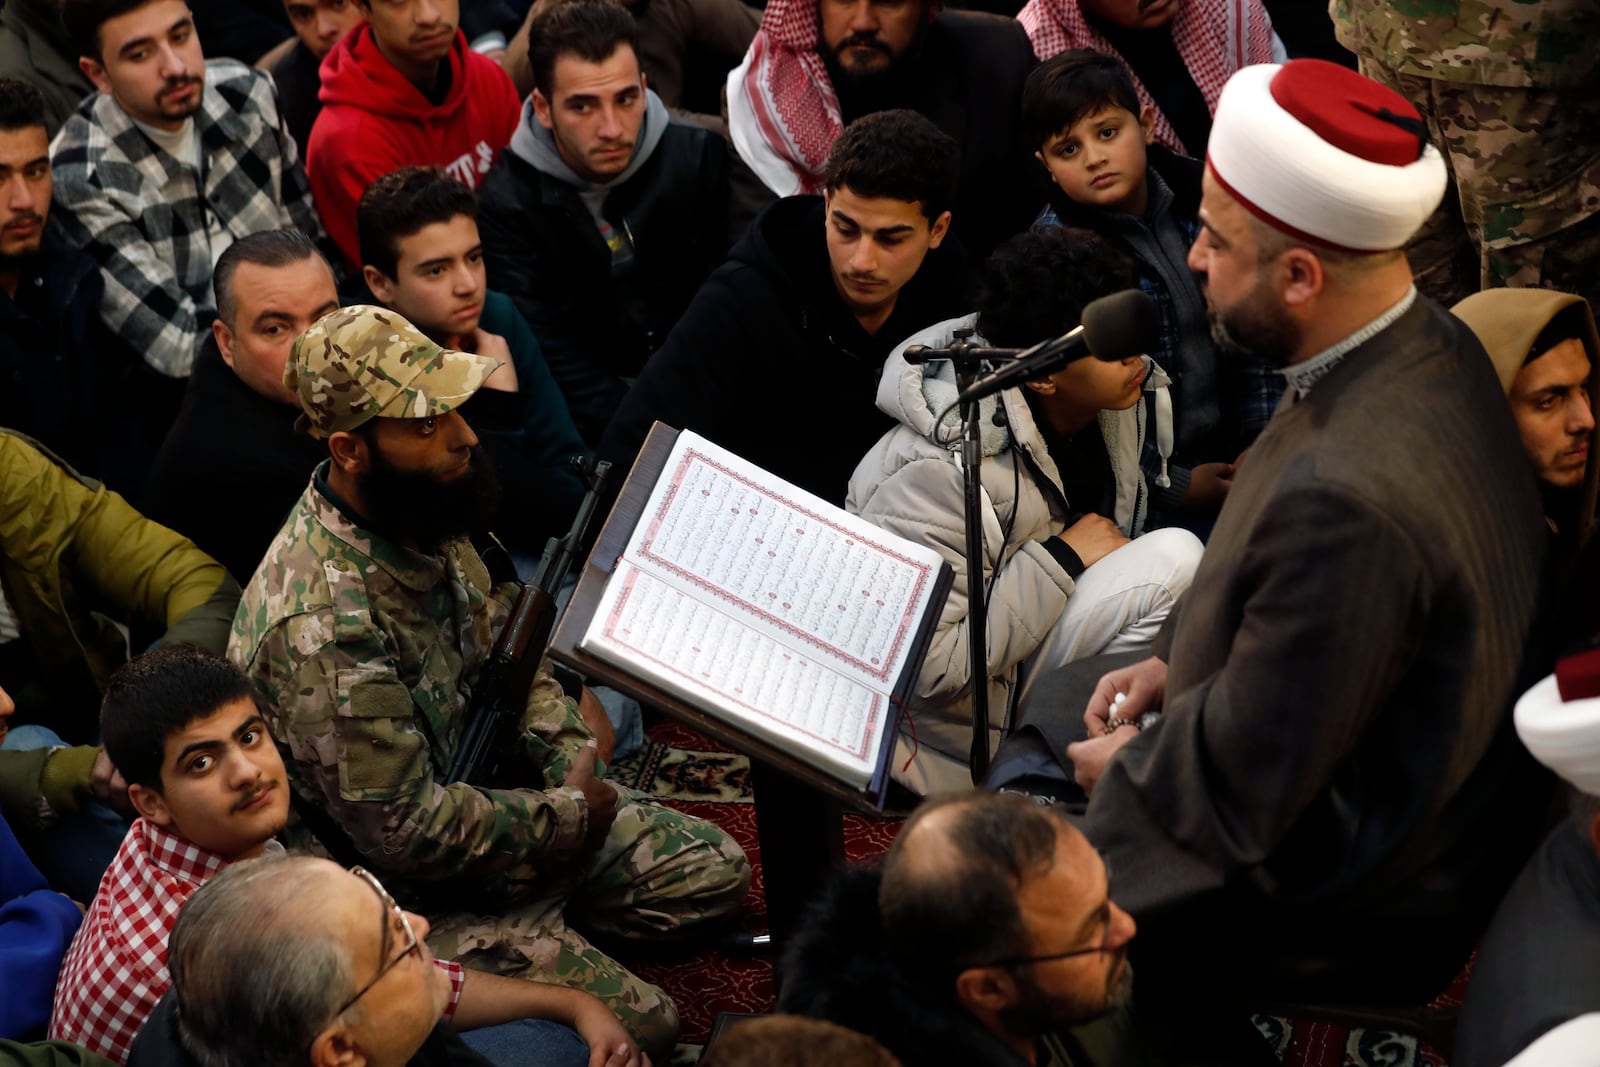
(1523, 205)
(659, 873)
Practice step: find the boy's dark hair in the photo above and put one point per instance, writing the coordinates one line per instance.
(21, 105)
(1070, 85)
(401, 203)
(1036, 285)
(591, 30)
(898, 155)
(153, 696)
(267, 248)
(82, 20)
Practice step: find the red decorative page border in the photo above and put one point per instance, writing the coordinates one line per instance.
(610, 632)
(902, 629)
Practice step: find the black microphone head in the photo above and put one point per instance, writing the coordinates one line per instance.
(1121, 325)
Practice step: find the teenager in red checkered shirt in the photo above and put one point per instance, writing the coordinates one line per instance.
(184, 728)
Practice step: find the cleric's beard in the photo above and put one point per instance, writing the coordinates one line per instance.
(1258, 328)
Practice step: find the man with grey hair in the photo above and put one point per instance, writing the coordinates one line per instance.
(232, 465)
(285, 961)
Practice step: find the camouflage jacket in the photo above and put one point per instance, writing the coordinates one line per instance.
(367, 652)
(1549, 44)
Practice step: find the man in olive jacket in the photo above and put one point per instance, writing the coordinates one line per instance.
(75, 562)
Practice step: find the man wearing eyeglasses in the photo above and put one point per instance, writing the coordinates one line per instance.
(989, 934)
(293, 960)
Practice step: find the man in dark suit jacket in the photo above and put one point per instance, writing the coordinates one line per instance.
(1328, 805)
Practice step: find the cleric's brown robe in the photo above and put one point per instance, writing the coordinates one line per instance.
(1322, 788)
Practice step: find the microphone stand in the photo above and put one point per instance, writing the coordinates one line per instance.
(969, 361)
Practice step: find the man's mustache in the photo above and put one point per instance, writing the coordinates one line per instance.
(865, 40)
(246, 801)
(176, 84)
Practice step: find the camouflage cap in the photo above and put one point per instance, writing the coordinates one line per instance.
(360, 362)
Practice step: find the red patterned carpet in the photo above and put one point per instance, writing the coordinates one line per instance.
(690, 771)
(695, 775)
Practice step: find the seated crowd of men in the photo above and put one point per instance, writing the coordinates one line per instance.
(300, 362)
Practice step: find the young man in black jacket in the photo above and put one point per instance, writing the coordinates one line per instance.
(52, 344)
(602, 217)
(778, 357)
(818, 65)
(319, 24)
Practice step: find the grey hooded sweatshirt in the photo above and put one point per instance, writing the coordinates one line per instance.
(537, 145)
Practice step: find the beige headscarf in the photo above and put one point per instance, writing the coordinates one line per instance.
(1507, 322)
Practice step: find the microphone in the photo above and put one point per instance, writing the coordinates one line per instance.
(1114, 327)
(962, 353)
(961, 350)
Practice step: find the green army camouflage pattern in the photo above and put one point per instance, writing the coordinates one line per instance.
(1549, 44)
(535, 940)
(1523, 205)
(367, 652)
(1511, 94)
(359, 362)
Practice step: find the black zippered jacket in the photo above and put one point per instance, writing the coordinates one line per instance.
(769, 362)
(542, 249)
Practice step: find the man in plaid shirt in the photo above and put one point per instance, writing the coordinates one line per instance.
(171, 161)
(184, 728)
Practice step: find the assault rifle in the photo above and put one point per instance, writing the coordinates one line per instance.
(489, 751)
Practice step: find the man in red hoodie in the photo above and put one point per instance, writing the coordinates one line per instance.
(404, 90)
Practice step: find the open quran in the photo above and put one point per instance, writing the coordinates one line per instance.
(775, 613)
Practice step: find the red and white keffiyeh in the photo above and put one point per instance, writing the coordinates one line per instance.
(783, 114)
(1214, 37)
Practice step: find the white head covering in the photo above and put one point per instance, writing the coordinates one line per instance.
(1564, 735)
(1323, 154)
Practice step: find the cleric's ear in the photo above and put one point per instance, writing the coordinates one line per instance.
(1300, 275)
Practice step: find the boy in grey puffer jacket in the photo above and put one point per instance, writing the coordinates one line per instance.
(1063, 495)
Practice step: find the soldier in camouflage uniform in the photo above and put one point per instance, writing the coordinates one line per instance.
(1511, 93)
(368, 644)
